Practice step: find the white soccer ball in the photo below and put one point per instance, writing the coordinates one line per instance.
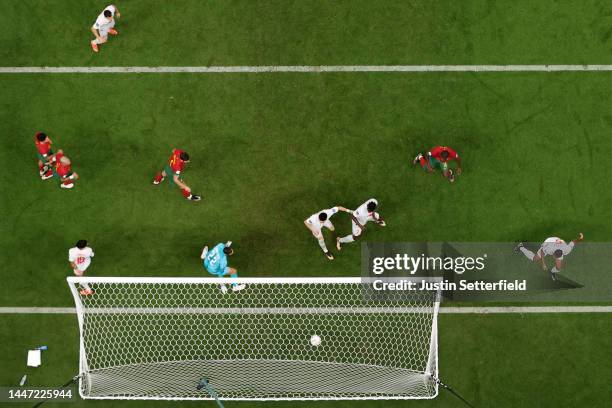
(315, 340)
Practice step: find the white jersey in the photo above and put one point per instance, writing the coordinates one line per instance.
(552, 244)
(363, 216)
(80, 257)
(103, 24)
(316, 224)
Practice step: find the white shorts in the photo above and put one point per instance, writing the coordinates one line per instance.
(84, 265)
(104, 30)
(356, 229)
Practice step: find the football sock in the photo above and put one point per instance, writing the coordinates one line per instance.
(347, 239)
(423, 162)
(322, 245)
(530, 255)
(186, 193)
(158, 177)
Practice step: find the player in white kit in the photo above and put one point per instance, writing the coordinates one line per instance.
(80, 259)
(360, 217)
(317, 221)
(553, 246)
(104, 26)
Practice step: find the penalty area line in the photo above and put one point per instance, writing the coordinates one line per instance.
(443, 310)
(304, 69)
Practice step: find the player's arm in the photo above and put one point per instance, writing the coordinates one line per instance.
(346, 210)
(96, 33)
(458, 160)
(307, 224)
(429, 169)
(580, 238)
(542, 259)
(117, 13)
(379, 220)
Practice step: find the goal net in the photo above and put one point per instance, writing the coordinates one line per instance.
(157, 338)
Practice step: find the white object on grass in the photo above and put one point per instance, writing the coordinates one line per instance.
(33, 358)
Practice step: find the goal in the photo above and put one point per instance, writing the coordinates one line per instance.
(157, 338)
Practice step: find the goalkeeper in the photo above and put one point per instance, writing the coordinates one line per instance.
(215, 263)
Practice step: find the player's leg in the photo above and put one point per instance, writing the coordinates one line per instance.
(159, 177)
(80, 271)
(421, 160)
(111, 29)
(321, 241)
(356, 233)
(233, 273)
(532, 256)
(68, 180)
(186, 192)
(95, 42)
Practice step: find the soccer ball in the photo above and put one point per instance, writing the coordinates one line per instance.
(315, 340)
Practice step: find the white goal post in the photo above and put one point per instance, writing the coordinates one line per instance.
(277, 339)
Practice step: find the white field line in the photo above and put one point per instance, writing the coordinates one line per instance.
(305, 69)
(443, 310)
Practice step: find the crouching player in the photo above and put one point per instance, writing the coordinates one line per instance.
(63, 170)
(438, 158)
(215, 263)
(79, 258)
(360, 217)
(44, 153)
(175, 166)
(553, 246)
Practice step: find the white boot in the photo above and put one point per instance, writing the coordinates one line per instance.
(238, 288)
(204, 252)
(223, 288)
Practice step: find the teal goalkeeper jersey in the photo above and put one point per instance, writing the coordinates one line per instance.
(216, 260)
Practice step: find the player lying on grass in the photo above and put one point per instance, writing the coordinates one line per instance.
(553, 246)
(175, 166)
(62, 169)
(104, 26)
(317, 221)
(360, 217)
(438, 158)
(215, 262)
(44, 154)
(79, 258)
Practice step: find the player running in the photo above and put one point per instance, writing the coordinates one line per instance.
(215, 262)
(80, 259)
(44, 154)
(317, 221)
(175, 166)
(360, 217)
(104, 26)
(553, 246)
(62, 169)
(438, 158)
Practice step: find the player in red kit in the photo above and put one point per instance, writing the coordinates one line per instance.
(438, 158)
(175, 166)
(44, 153)
(62, 170)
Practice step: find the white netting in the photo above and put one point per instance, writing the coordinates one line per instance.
(152, 338)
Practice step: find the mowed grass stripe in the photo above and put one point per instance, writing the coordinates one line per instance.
(304, 69)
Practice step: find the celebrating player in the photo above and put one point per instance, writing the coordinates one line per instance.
(317, 221)
(104, 26)
(175, 166)
(215, 262)
(553, 246)
(360, 217)
(63, 170)
(438, 158)
(44, 153)
(80, 259)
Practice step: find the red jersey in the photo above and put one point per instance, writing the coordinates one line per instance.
(436, 153)
(175, 162)
(43, 147)
(61, 169)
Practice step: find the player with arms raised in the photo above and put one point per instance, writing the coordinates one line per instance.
(438, 158)
(553, 246)
(44, 153)
(104, 26)
(316, 222)
(79, 258)
(175, 166)
(215, 263)
(360, 217)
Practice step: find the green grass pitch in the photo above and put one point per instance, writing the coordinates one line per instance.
(269, 150)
